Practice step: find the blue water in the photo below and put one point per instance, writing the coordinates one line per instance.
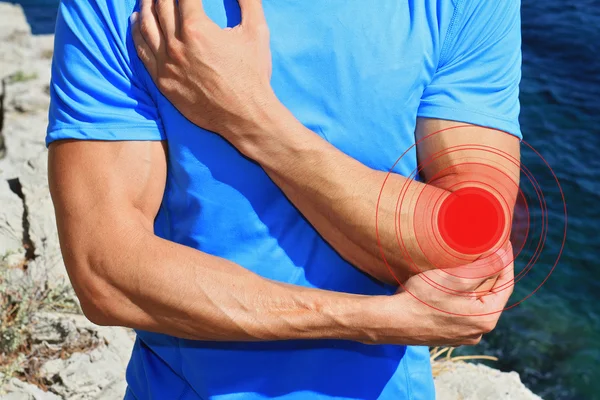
(553, 338)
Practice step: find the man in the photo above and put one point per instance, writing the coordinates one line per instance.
(231, 212)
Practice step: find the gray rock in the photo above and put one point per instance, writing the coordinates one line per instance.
(465, 381)
(52, 368)
(27, 99)
(42, 222)
(89, 374)
(18, 390)
(53, 328)
(114, 391)
(11, 222)
(16, 396)
(99, 374)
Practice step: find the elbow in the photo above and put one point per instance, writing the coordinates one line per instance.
(97, 297)
(99, 313)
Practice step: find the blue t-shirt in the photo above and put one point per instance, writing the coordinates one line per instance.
(357, 73)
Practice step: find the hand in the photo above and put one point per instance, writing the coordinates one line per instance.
(217, 78)
(457, 315)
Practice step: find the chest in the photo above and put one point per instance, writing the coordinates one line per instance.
(351, 71)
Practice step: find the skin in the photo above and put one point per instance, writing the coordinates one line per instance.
(226, 74)
(125, 275)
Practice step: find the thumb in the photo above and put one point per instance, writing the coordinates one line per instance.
(252, 13)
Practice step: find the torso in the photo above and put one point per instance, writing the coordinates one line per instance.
(354, 74)
(350, 73)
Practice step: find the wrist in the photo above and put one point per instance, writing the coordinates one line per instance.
(350, 318)
(344, 316)
(389, 319)
(270, 131)
(373, 319)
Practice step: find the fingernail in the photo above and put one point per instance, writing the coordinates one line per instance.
(133, 18)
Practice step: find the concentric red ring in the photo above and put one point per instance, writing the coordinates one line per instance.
(543, 213)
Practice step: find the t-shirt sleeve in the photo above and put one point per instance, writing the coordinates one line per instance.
(479, 70)
(97, 92)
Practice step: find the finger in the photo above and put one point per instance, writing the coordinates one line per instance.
(506, 278)
(253, 14)
(149, 25)
(504, 286)
(142, 48)
(474, 340)
(486, 286)
(168, 17)
(192, 11)
(485, 289)
(485, 273)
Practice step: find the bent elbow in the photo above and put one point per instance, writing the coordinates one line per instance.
(97, 313)
(96, 296)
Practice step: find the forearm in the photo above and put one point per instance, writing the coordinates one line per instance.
(349, 204)
(148, 283)
(207, 82)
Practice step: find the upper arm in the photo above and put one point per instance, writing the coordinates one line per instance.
(107, 162)
(97, 90)
(94, 183)
(457, 156)
(104, 129)
(476, 85)
(106, 196)
(452, 155)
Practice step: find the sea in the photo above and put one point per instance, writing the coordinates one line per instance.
(551, 337)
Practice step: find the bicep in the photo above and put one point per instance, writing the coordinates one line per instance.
(452, 153)
(455, 156)
(102, 189)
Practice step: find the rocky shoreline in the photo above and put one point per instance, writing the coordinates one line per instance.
(48, 349)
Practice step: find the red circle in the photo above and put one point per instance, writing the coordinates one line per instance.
(544, 217)
(471, 220)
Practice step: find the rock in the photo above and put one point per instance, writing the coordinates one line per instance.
(465, 381)
(52, 368)
(14, 30)
(11, 222)
(16, 396)
(20, 51)
(114, 391)
(42, 222)
(17, 390)
(26, 98)
(97, 374)
(89, 374)
(53, 328)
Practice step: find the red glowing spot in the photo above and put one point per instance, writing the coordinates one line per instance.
(471, 220)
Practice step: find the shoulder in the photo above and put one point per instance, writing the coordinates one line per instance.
(483, 24)
(110, 17)
(94, 34)
(480, 12)
(99, 88)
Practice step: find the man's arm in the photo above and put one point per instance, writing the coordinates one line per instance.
(106, 196)
(220, 80)
(345, 202)
(107, 172)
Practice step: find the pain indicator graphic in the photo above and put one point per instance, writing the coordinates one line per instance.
(482, 211)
